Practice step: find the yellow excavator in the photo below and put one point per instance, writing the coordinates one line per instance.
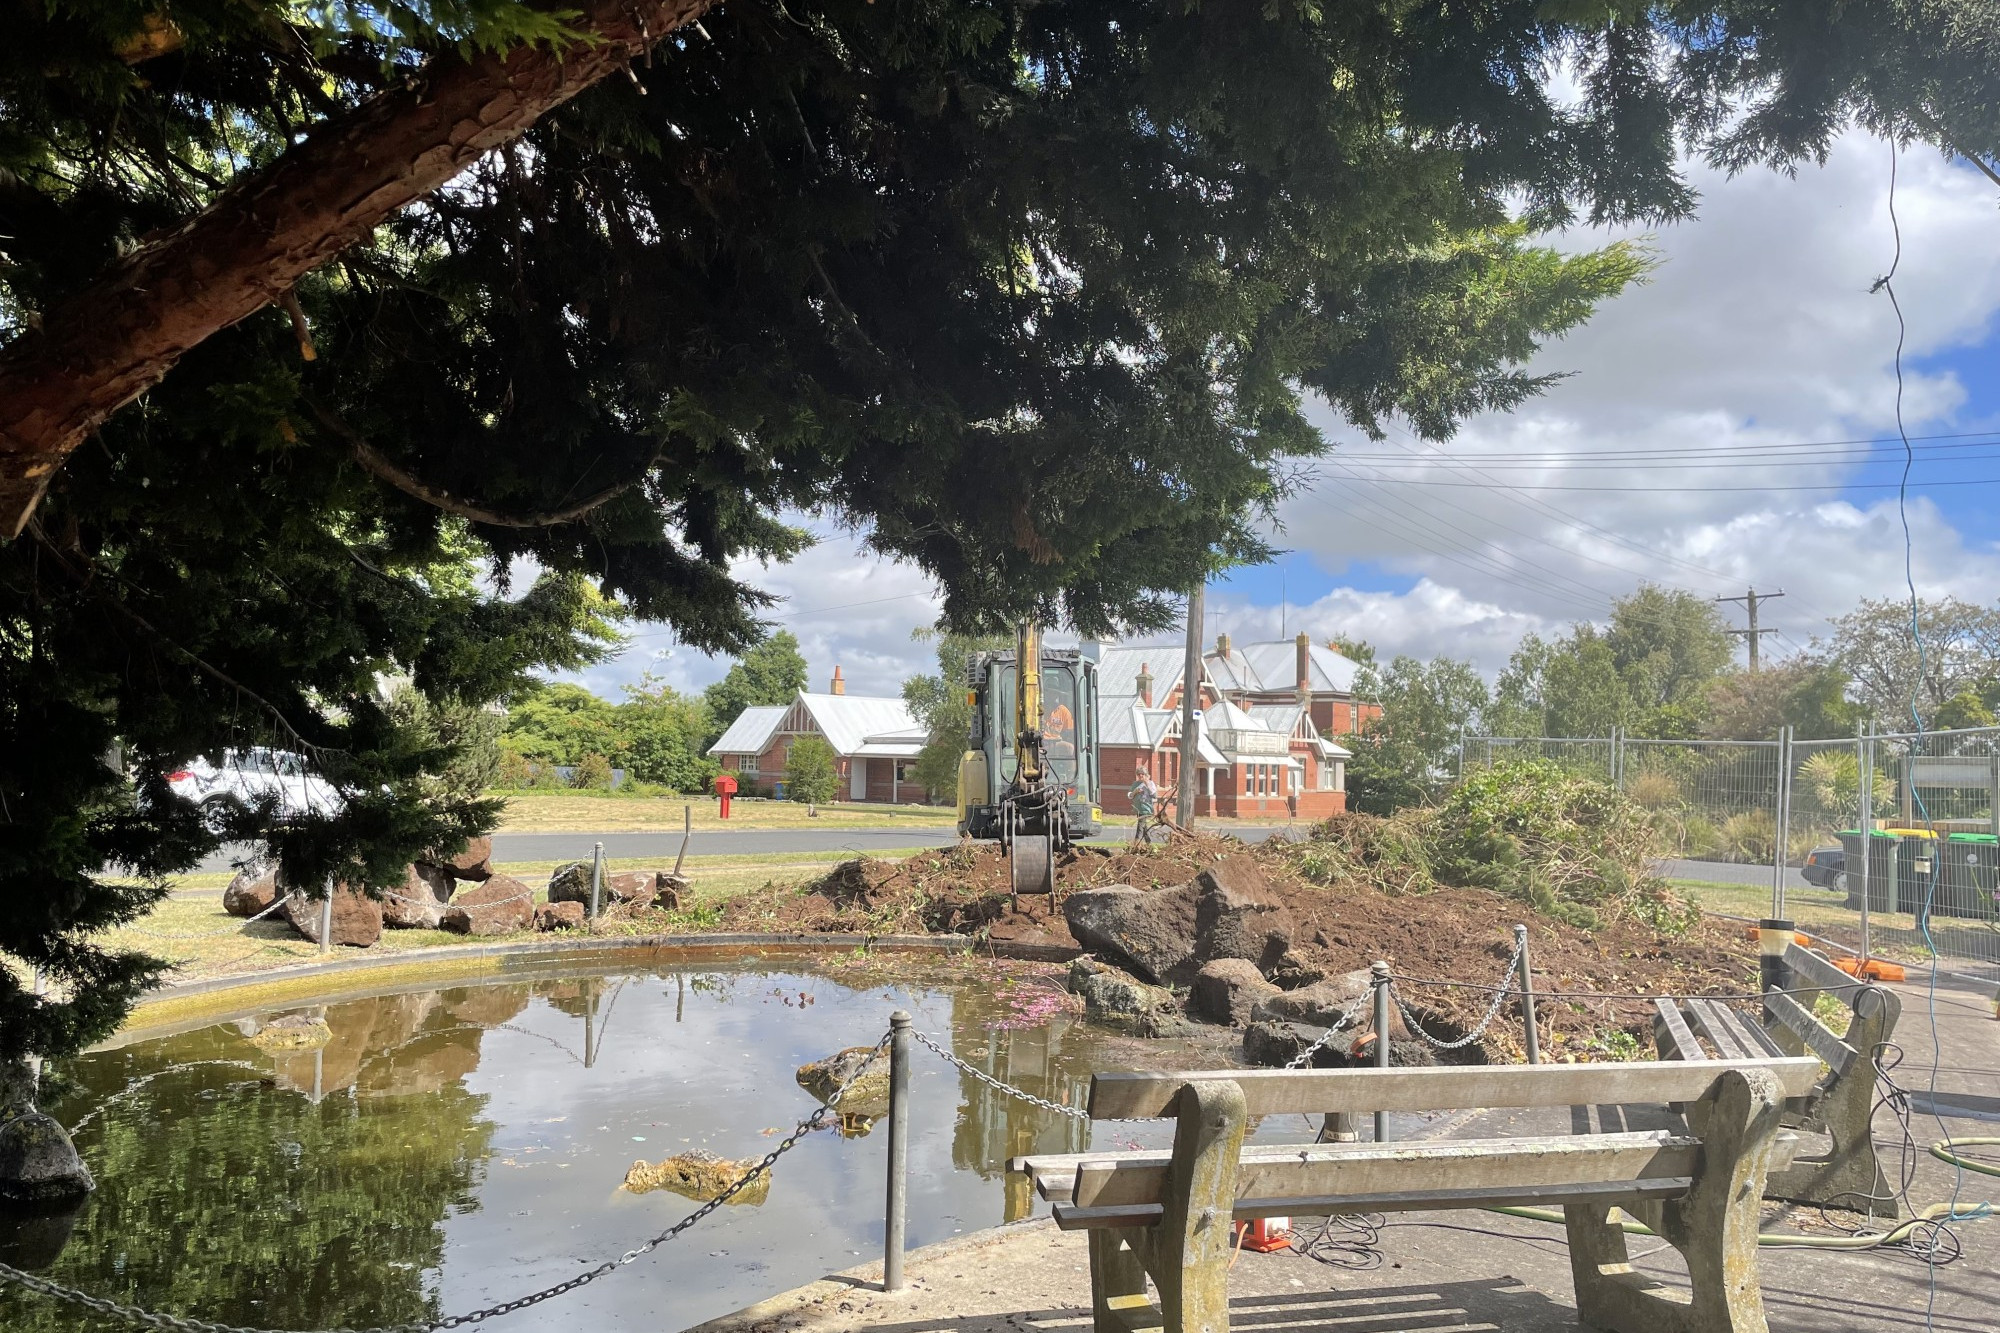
(1030, 776)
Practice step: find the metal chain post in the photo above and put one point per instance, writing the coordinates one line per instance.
(596, 878)
(899, 1150)
(1533, 1033)
(326, 918)
(1378, 980)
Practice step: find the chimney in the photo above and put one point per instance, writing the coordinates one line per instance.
(839, 685)
(1146, 684)
(1304, 644)
(1222, 646)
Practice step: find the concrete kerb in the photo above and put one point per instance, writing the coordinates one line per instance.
(187, 1005)
(868, 1277)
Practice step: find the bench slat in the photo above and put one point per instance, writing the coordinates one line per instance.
(1747, 1029)
(1280, 1091)
(1685, 1047)
(1070, 1217)
(1714, 1024)
(1341, 1170)
(1811, 969)
(1839, 1056)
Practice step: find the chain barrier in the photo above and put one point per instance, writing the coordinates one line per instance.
(1500, 994)
(1007, 1089)
(176, 1324)
(1340, 1020)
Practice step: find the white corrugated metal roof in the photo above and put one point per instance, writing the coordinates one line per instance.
(849, 721)
(751, 732)
(1273, 665)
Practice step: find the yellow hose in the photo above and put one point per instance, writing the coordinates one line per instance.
(1937, 1212)
(1942, 1151)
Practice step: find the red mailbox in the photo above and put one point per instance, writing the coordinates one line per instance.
(725, 787)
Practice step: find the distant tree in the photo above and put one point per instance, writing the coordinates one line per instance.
(592, 773)
(1974, 706)
(560, 724)
(1406, 754)
(1956, 648)
(1667, 645)
(810, 773)
(664, 734)
(938, 704)
(1358, 651)
(768, 675)
(1808, 696)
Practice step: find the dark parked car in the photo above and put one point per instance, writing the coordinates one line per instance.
(1823, 866)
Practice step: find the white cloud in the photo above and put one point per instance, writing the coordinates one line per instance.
(1758, 329)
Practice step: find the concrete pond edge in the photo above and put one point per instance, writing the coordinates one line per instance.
(866, 1276)
(180, 1007)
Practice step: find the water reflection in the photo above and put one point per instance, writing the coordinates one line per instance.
(440, 1150)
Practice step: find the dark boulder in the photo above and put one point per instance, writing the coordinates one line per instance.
(357, 918)
(500, 906)
(1226, 990)
(1149, 932)
(252, 891)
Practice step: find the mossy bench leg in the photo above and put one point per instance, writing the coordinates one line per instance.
(1187, 1253)
(1850, 1174)
(1714, 1226)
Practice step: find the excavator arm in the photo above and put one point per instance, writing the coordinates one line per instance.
(1033, 826)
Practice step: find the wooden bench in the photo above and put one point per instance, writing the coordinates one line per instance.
(1166, 1214)
(1841, 1104)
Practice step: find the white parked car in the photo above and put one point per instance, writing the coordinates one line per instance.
(251, 776)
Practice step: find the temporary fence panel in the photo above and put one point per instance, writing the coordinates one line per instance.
(1591, 756)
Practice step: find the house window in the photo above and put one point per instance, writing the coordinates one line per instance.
(905, 770)
(1325, 776)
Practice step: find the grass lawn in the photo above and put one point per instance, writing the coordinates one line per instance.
(191, 931)
(607, 812)
(1823, 912)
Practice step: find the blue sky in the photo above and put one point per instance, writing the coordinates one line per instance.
(1756, 337)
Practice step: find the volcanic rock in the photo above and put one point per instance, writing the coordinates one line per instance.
(559, 916)
(1109, 994)
(1239, 916)
(253, 889)
(701, 1176)
(474, 863)
(1226, 990)
(499, 906)
(867, 1096)
(1320, 1004)
(1149, 932)
(357, 918)
(420, 901)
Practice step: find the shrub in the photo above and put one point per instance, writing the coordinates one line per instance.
(1750, 837)
(592, 773)
(515, 772)
(1654, 791)
(810, 775)
(1832, 778)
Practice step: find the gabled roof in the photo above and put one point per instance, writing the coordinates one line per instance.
(1272, 666)
(1118, 670)
(848, 721)
(751, 732)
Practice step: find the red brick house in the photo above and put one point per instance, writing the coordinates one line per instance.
(1269, 711)
(875, 743)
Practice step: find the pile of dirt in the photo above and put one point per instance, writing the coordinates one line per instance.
(1443, 935)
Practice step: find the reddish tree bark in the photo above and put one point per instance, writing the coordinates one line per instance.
(112, 341)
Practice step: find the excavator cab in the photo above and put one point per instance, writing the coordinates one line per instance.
(1030, 778)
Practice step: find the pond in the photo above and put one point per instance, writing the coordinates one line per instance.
(449, 1149)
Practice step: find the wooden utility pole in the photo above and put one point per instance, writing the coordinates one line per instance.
(1753, 634)
(1190, 712)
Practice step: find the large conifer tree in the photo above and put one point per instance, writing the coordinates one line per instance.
(1028, 293)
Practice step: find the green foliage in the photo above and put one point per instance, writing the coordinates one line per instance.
(810, 773)
(1893, 673)
(938, 704)
(560, 724)
(592, 773)
(1573, 847)
(1404, 756)
(1808, 696)
(767, 676)
(664, 735)
(1831, 781)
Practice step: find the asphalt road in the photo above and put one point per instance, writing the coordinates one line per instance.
(1728, 872)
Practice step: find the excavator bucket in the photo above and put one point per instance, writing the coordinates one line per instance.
(1032, 859)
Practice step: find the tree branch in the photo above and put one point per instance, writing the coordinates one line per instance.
(374, 462)
(110, 342)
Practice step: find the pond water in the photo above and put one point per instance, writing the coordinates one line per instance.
(449, 1149)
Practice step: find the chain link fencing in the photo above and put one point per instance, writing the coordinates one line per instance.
(1775, 828)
